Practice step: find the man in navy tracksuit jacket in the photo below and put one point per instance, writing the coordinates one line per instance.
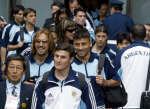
(63, 90)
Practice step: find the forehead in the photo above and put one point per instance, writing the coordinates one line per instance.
(81, 40)
(42, 36)
(20, 12)
(55, 7)
(147, 27)
(61, 53)
(15, 62)
(101, 33)
(80, 13)
(31, 12)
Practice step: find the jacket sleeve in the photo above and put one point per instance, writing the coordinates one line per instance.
(92, 96)
(38, 97)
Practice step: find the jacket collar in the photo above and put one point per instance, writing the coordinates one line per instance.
(49, 59)
(53, 78)
(91, 59)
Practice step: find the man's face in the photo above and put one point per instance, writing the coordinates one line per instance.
(147, 27)
(101, 39)
(62, 60)
(54, 9)
(103, 10)
(124, 43)
(19, 17)
(82, 47)
(80, 18)
(41, 45)
(74, 5)
(30, 18)
(15, 71)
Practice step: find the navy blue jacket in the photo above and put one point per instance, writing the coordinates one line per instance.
(25, 95)
(117, 23)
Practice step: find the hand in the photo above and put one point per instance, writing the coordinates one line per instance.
(20, 44)
(100, 79)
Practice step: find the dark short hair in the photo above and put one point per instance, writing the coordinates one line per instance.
(66, 47)
(117, 6)
(79, 9)
(28, 10)
(123, 36)
(15, 57)
(17, 8)
(81, 33)
(58, 13)
(57, 3)
(148, 24)
(101, 28)
(138, 32)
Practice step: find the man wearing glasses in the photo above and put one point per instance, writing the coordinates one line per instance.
(13, 93)
(41, 56)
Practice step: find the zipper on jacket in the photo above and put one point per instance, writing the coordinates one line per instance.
(61, 85)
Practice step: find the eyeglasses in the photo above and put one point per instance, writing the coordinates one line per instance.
(12, 68)
(43, 41)
(71, 30)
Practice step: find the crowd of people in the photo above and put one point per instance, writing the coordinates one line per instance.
(56, 66)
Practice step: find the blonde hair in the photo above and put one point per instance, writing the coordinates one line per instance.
(51, 43)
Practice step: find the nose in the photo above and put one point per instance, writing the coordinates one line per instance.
(80, 47)
(15, 70)
(41, 43)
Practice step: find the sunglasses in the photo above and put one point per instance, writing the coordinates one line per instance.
(43, 41)
(71, 30)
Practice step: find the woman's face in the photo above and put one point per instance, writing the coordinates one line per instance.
(70, 32)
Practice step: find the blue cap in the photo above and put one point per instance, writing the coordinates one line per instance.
(116, 2)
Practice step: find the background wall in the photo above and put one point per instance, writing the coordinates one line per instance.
(42, 8)
(4, 8)
(141, 11)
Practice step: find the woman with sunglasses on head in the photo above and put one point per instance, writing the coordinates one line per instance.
(65, 30)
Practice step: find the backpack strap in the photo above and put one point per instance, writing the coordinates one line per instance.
(45, 80)
(82, 81)
(22, 34)
(27, 70)
(101, 63)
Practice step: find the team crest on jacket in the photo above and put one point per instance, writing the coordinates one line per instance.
(74, 94)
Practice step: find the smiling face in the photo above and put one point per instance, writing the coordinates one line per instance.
(70, 32)
(41, 45)
(82, 47)
(15, 71)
